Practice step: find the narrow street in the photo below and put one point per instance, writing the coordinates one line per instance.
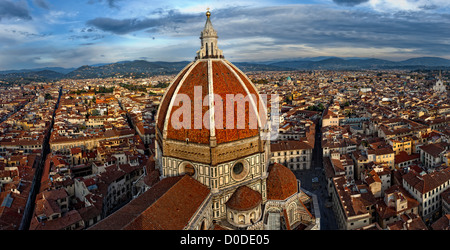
(327, 221)
(35, 186)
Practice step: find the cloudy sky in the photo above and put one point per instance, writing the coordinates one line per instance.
(72, 33)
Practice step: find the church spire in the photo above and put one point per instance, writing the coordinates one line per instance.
(208, 39)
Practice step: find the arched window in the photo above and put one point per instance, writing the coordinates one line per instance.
(189, 170)
(241, 219)
(203, 226)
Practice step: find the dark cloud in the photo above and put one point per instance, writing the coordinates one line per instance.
(26, 34)
(350, 2)
(429, 7)
(111, 3)
(42, 3)
(268, 27)
(86, 37)
(247, 33)
(9, 9)
(123, 26)
(170, 20)
(333, 28)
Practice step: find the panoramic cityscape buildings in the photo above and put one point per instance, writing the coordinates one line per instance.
(216, 145)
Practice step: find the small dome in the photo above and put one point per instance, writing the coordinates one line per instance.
(281, 182)
(244, 199)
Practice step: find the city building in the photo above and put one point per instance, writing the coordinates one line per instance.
(397, 202)
(353, 204)
(296, 155)
(427, 189)
(213, 175)
(439, 87)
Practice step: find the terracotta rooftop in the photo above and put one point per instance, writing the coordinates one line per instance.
(281, 182)
(244, 199)
(435, 149)
(442, 223)
(427, 182)
(224, 80)
(289, 145)
(168, 205)
(402, 156)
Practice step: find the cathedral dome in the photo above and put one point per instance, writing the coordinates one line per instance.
(197, 81)
(244, 199)
(210, 101)
(281, 182)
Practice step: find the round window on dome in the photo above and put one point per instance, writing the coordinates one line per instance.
(239, 171)
(238, 168)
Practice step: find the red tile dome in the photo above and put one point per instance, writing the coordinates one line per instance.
(196, 81)
(244, 199)
(281, 182)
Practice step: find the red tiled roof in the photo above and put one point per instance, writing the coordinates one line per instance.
(403, 156)
(75, 150)
(169, 205)
(281, 182)
(166, 100)
(67, 220)
(434, 149)
(244, 199)
(289, 145)
(226, 80)
(385, 211)
(442, 223)
(427, 182)
(198, 77)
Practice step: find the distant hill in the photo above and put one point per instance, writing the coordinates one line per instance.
(426, 61)
(137, 67)
(55, 69)
(42, 75)
(244, 66)
(142, 68)
(335, 63)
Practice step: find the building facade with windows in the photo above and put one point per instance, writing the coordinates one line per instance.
(427, 189)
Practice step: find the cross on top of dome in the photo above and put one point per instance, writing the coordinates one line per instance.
(208, 39)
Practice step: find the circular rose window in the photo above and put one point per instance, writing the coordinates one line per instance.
(239, 171)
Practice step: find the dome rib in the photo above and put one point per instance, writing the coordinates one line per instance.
(211, 100)
(173, 97)
(216, 78)
(248, 83)
(255, 108)
(168, 96)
